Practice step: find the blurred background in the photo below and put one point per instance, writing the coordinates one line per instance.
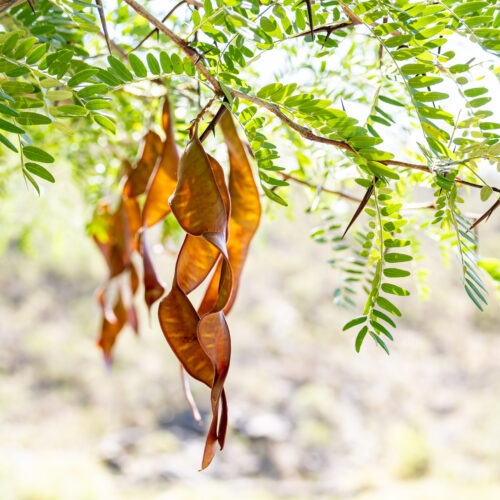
(309, 418)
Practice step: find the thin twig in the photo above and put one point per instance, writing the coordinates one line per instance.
(323, 190)
(152, 32)
(100, 8)
(474, 185)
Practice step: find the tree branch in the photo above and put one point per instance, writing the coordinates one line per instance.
(271, 107)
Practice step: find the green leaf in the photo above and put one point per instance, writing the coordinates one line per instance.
(36, 53)
(137, 65)
(228, 95)
(479, 101)
(429, 96)
(268, 25)
(380, 342)
(395, 290)
(90, 90)
(8, 111)
(393, 225)
(415, 69)
(354, 322)
(459, 68)
(381, 329)
(485, 192)
(166, 64)
(492, 267)
(10, 43)
(397, 257)
(395, 243)
(108, 78)
(424, 81)
(393, 272)
(284, 92)
(10, 127)
(384, 317)
(388, 100)
(7, 143)
(96, 104)
(48, 83)
(82, 76)
(489, 126)
(360, 337)
(470, 293)
(189, 68)
(40, 171)
(379, 169)
(29, 118)
(17, 87)
(71, 110)
(207, 5)
(120, 69)
(153, 64)
(364, 141)
(269, 90)
(271, 180)
(476, 290)
(273, 196)
(105, 122)
(388, 306)
(32, 181)
(59, 95)
(37, 154)
(23, 47)
(468, 7)
(177, 64)
(475, 92)
(196, 17)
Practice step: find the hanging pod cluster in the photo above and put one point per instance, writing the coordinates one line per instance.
(220, 219)
(118, 241)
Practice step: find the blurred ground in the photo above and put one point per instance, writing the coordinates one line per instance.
(309, 418)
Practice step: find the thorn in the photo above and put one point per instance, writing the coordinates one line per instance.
(486, 214)
(362, 205)
(213, 123)
(310, 16)
(329, 32)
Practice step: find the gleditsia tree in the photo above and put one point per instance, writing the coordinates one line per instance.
(387, 97)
